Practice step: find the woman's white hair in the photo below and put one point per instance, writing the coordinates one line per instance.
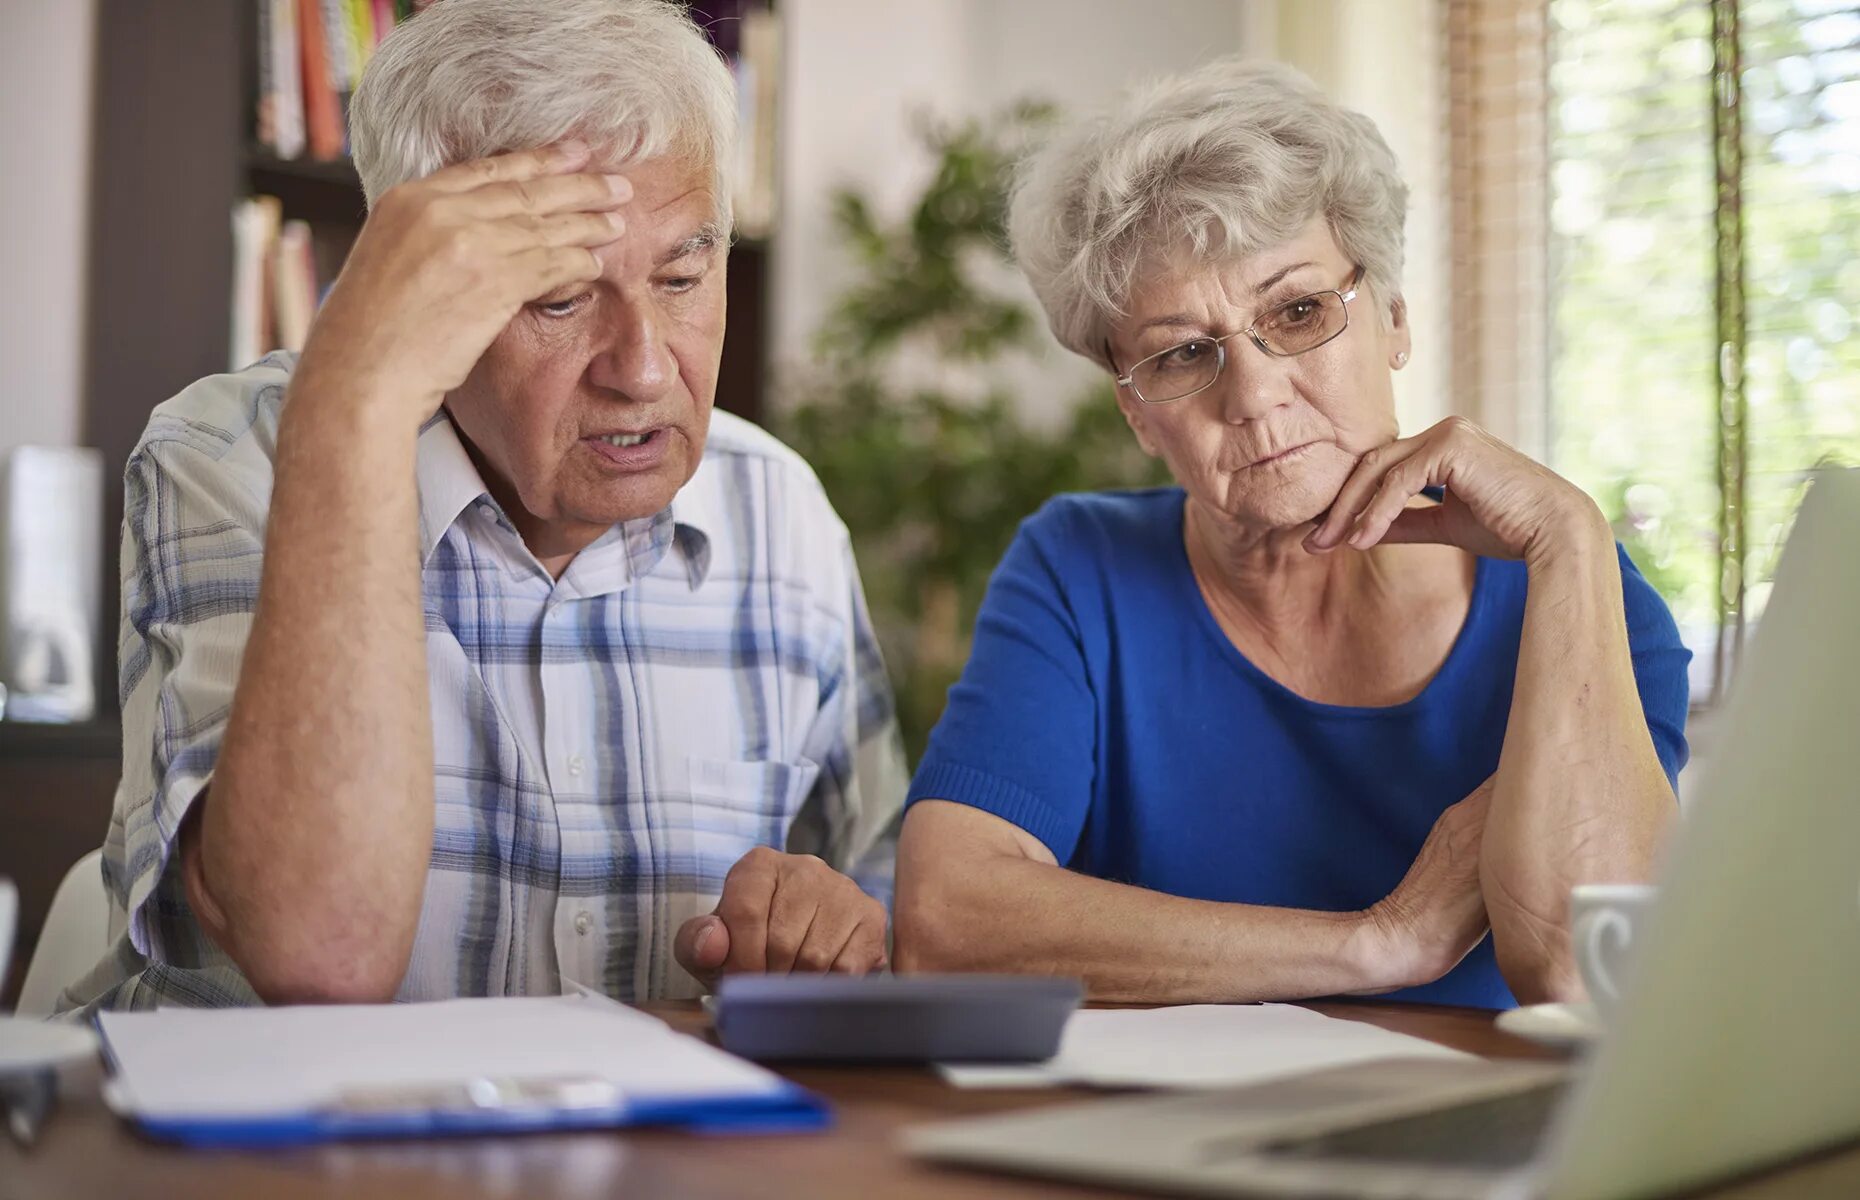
(466, 79)
(1227, 160)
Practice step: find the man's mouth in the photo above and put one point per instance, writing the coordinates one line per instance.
(628, 450)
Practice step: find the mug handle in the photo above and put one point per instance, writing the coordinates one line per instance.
(1601, 933)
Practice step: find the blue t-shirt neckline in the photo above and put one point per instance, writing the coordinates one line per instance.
(1210, 626)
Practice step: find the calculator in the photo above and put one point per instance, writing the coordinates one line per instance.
(894, 1018)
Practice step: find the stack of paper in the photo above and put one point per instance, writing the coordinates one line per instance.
(1199, 1046)
(218, 1076)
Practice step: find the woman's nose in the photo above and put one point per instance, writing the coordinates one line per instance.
(1252, 383)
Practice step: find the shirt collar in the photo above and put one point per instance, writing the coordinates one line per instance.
(698, 516)
(449, 483)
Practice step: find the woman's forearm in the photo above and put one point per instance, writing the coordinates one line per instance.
(961, 907)
(1127, 943)
(1580, 796)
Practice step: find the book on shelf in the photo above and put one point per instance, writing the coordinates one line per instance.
(322, 109)
(311, 54)
(757, 66)
(294, 286)
(280, 79)
(255, 224)
(275, 289)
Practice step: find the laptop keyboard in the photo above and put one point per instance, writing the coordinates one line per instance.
(1497, 1132)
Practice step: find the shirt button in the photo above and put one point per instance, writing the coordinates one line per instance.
(584, 923)
(574, 765)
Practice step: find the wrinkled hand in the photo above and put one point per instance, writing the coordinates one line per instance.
(1436, 914)
(442, 265)
(782, 913)
(1499, 503)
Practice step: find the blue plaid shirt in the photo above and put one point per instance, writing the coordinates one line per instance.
(607, 744)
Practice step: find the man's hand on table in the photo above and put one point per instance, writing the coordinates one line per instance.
(783, 913)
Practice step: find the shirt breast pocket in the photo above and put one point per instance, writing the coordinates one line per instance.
(736, 805)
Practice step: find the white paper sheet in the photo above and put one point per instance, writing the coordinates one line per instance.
(1198, 1046)
(258, 1061)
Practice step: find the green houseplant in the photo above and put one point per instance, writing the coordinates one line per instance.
(933, 478)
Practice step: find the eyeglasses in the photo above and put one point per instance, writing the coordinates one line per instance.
(1282, 331)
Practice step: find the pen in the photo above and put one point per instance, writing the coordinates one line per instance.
(27, 1098)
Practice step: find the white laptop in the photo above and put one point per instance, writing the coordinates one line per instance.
(1736, 1045)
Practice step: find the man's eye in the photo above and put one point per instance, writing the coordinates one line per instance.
(562, 308)
(681, 283)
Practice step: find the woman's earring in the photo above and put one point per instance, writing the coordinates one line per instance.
(1401, 358)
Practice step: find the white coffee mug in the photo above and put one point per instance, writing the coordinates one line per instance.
(1604, 919)
(9, 917)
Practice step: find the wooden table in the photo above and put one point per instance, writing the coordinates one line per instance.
(85, 1152)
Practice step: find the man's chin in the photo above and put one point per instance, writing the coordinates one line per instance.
(604, 497)
(632, 505)
(627, 499)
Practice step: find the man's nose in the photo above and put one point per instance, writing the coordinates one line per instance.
(635, 361)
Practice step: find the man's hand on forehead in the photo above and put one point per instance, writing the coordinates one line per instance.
(443, 263)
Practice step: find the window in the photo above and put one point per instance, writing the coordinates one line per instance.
(1703, 195)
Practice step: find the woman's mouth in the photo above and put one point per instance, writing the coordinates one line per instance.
(1281, 456)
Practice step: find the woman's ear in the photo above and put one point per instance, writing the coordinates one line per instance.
(1136, 415)
(1135, 411)
(1398, 337)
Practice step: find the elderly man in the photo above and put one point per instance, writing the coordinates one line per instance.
(470, 652)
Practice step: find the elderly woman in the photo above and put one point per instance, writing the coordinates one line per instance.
(1320, 717)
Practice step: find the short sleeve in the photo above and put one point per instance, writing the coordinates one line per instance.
(855, 740)
(1660, 667)
(192, 551)
(1018, 738)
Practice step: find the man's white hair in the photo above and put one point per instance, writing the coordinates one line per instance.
(1227, 160)
(466, 79)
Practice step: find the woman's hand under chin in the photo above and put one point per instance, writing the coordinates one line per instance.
(1499, 503)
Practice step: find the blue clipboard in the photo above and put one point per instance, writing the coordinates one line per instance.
(790, 1110)
(480, 1106)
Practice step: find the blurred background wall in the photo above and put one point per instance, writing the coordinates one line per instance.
(46, 53)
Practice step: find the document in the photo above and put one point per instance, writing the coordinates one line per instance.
(1198, 1046)
(344, 1066)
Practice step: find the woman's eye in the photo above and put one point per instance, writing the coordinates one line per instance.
(1299, 312)
(1188, 354)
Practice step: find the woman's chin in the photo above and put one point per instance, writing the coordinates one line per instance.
(1284, 501)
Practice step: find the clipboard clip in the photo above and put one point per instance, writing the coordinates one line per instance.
(482, 1094)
